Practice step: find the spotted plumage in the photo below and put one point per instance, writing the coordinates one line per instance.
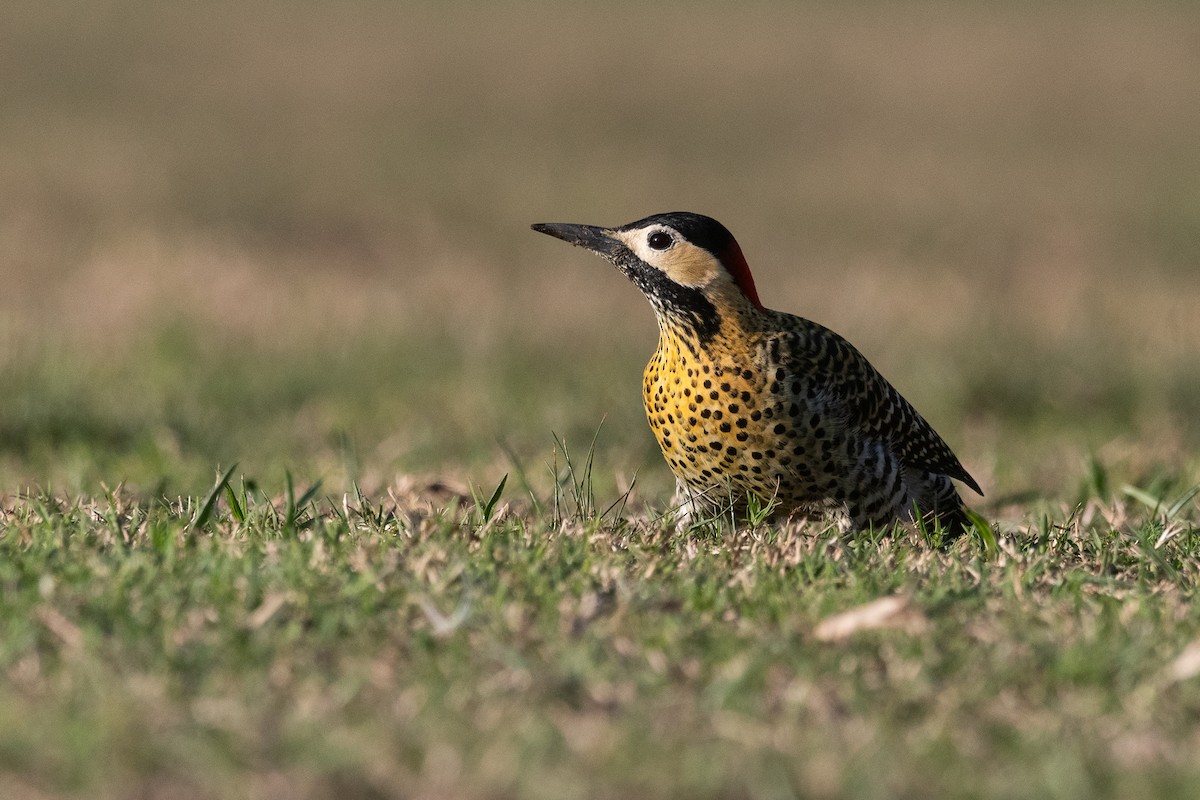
(748, 401)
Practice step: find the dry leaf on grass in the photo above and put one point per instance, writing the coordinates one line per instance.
(1186, 665)
(886, 612)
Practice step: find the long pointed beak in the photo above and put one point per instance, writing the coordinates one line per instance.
(598, 240)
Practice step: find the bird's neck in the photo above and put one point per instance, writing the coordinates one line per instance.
(729, 325)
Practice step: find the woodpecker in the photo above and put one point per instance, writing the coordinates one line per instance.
(746, 401)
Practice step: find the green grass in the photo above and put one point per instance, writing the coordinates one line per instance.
(422, 645)
(288, 243)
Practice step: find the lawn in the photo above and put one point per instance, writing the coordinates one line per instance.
(322, 475)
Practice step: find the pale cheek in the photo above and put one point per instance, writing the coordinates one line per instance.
(694, 268)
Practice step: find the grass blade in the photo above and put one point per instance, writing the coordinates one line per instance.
(1178, 505)
(986, 535)
(289, 512)
(210, 501)
(237, 507)
(308, 495)
(495, 498)
(1142, 496)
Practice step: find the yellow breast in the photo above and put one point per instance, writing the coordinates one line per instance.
(707, 408)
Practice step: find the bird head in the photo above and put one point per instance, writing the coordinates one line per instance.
(689, 266)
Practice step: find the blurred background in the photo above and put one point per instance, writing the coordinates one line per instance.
(296, 235)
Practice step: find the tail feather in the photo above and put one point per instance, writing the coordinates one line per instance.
(942, 507)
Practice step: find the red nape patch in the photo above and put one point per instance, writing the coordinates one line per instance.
(735, 262)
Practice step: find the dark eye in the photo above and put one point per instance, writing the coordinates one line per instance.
(660, 240)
